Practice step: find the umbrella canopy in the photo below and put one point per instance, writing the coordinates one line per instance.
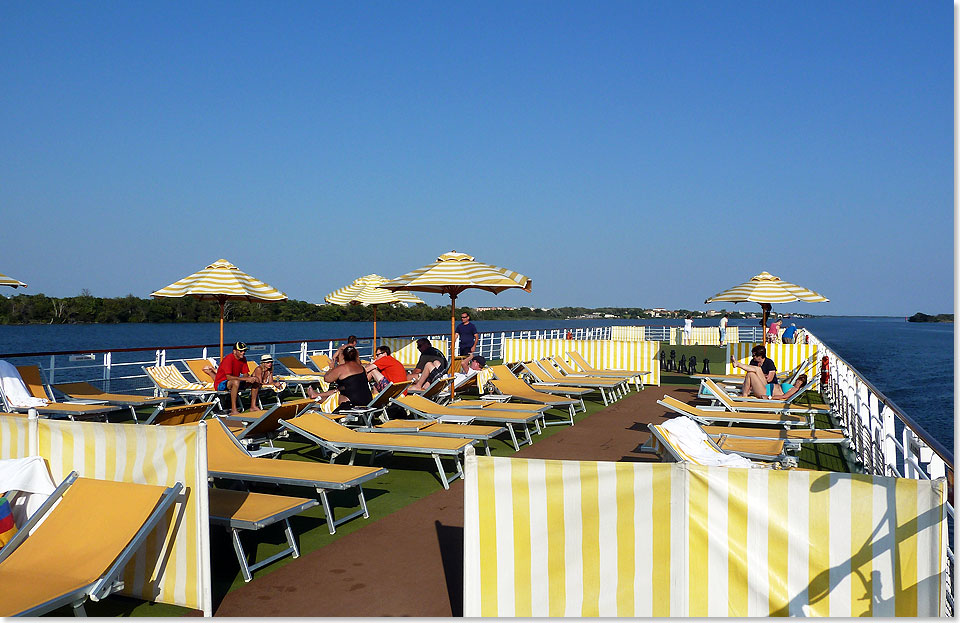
(366, 290)
(221, 281)
(767, 289)
(453, 273)
(10, 281)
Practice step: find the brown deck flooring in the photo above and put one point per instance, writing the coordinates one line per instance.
(410, 562)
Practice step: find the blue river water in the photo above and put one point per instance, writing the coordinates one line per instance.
(911, 363)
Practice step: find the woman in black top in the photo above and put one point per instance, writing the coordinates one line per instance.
(351, 380)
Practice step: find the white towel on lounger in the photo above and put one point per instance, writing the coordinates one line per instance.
(690, 438)
(13, 388)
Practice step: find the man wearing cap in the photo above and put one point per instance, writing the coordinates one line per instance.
(232, 373)
(473, 364)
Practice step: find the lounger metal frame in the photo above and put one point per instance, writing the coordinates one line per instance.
(234, 526)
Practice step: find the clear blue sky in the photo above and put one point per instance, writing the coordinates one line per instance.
(619, 153)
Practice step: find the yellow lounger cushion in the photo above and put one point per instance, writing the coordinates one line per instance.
(324, 428)
(112, 512)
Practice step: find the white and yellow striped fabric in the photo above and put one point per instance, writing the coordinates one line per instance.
(15, 437)
(454, 272)
(219, 281)
(10, 281)
(785, 356)
(366, 290)
(405, 351)
(632, 334)
(587, 539)
(622, 355)
(174, 565)
(767, 288)
(169, 377)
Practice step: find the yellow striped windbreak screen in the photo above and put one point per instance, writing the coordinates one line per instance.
(580, 538)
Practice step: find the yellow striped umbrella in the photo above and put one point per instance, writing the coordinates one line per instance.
(221, 281)
(453, 273)
(10, 281)
(767, 289)
(366, 290)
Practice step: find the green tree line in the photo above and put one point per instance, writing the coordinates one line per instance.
(42, 309)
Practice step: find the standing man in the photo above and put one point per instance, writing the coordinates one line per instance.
(789, 334)
(723, 330)
(232, 373)
(468, 335)
(688, 330)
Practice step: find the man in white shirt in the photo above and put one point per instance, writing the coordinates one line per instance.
(723, 330)
(474, 363)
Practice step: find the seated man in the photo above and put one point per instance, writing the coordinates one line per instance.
(385, 369)
(474, 363)
(232, 374)
(431, 366)
(760, 374)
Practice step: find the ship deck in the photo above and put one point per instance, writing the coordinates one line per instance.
(407, 558)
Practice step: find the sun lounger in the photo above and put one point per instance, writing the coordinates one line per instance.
(617, 387)
(254, 428)
(196, 368)
(425, 408)
(433, 390)
(508, 383)
(321, 361)
(243, 510)
(719, 396)
(681, 440)
(181, 414)
(787, 377)
(711, 416)
(227, 458)
(337, 439)
(434, 428)
(626, 377)
(542, 382)
(87, 391)
(585, 366)
(80, 549)
(170, 381)
(793, 436)
(300, 375)
(32, 380)
(378, 403)
(707, 394)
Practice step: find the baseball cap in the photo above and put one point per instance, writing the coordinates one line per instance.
(266, 358)
(240, 346)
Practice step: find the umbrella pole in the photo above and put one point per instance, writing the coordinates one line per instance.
(221, 330)
(374, 329)
(453, 332)
(763, 332)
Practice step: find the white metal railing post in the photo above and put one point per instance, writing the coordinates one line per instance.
(303, 352)
(889, 442)
(203, 353)
(107, 364)
(910, 451)
(53, 369)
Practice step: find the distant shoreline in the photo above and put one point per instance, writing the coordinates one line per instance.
(921, 317)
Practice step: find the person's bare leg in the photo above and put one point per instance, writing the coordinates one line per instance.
(234, 389)
(428, 367)
(254, 390)
(211, 372)
(757, 386)
(374, 375)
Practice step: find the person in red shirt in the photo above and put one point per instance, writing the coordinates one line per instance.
(385, 369)
(232, 375)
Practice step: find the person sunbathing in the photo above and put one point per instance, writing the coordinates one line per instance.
(785, 391)
(761, 373)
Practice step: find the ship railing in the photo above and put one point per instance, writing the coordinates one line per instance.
(885, 440)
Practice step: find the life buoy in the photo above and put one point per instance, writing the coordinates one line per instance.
(824, 370)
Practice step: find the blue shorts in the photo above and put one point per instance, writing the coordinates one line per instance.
(222, 387)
